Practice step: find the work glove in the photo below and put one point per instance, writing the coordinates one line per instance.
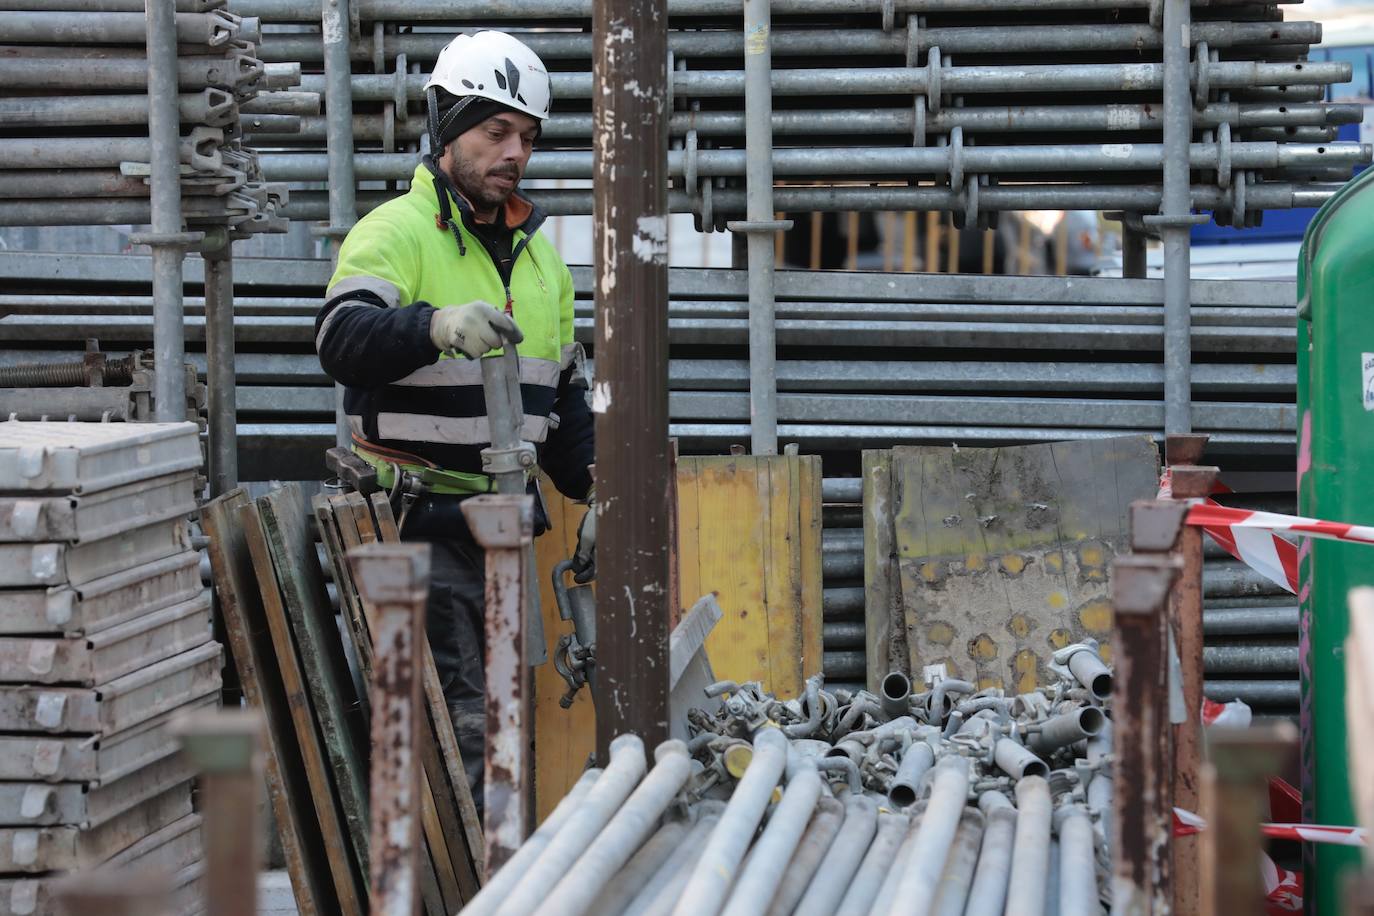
(584, 557)
(474, 329)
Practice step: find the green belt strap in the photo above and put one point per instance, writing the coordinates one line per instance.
(439, 481)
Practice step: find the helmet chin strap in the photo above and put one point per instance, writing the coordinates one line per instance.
(432, 119)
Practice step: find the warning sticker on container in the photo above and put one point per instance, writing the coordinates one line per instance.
(1367, 377)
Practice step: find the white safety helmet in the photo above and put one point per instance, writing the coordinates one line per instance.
(496, 66)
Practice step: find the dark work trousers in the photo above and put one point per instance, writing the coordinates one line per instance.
(454, 622)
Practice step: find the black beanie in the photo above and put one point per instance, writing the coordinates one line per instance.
(461, 114)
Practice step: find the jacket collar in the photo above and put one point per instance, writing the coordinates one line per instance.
(520, 213)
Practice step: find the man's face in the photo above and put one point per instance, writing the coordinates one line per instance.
(487, 162)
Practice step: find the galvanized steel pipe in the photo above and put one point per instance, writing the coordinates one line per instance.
(626, 767)
(955, 881)
(563, 10)
(665, 844)
(907, 81)
(169, 345)
(710, 881)
(833, 878)
(1031, 851)
(811, 852)
(1087, 666)
(768, 860)
(917, 759)
(988, 893)
(895, 693)
(494, 891)
(1018, 762)
(661, 893)
(874, 867)
(760, 228)
(921, 868)
(1066, 729)
(1174, 219)
(1077, 863)
(625, 833)
(212, 107)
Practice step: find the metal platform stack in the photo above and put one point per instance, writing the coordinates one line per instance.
(104, 639)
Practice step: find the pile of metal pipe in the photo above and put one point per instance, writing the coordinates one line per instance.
(81, 98)
(946, 800)
(971, 106)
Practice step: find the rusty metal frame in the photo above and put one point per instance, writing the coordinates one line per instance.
(394, 579)
(1142, 818)
(225, 746)
(1235, 796)
(504, 526)
(1190, 481)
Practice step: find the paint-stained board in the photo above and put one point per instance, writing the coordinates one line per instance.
(1003, 554)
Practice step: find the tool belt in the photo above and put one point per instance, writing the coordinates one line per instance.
(435, 480)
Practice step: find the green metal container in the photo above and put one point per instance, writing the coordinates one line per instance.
(1335, 454)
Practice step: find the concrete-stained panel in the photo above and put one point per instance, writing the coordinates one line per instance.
(1003, 554)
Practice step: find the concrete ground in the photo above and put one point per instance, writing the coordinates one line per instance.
(274, 895)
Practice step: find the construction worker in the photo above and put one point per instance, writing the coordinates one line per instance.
(426, 285)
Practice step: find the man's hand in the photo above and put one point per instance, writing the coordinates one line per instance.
(584, 557)
(474, 329)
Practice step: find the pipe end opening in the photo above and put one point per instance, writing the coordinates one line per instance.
(1102, 686)
(901, 796)
(1036, 768)
(896, 686)
(1091, 720)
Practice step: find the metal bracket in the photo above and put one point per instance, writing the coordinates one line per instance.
(1162, 221)
(506, 460)
(1156, 524)
(761, 225)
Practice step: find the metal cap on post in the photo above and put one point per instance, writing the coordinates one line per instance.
(394, 579)
(225, 747)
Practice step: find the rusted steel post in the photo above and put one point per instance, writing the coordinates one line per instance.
(504, 526)
(394, 578)
(1185, 615)
(630, 393)
(225, 747)
(1142, 814)
(1235, 795)
(1188, 481)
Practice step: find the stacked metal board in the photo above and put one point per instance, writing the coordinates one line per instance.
(76, 98)
(104, 638)
(969, 106)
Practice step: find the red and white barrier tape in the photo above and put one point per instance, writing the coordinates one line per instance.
(1244, 536)
(1186, 823)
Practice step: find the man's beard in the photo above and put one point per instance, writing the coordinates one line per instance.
(472, 185)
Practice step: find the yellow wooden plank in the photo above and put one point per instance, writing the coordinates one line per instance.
(688, 533)
(812, 591)
(562, 737)
(781, 572)
(730, 548)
